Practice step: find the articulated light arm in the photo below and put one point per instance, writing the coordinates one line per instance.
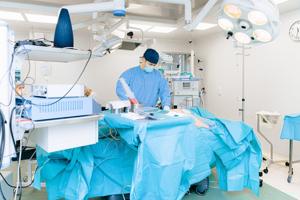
(110, 30)
(202, 14)
(85, 24)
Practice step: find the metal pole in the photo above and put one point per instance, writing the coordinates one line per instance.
(243, 83)
(291, 158)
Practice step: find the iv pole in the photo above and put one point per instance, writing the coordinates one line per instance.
(243, 54)
(243, 83)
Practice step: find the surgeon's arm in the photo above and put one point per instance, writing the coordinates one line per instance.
(119, 89)
(164, 93)
(199, 121)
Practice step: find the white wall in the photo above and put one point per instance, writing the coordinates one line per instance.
(272, 78)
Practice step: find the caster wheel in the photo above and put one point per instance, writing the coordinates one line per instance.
(261, 182)
(264, 159)
(289, 179)
(261, 174)
(266, 171)
(202, 187)
(287, 164)
(25, 179)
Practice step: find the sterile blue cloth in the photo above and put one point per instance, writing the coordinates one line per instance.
(165, 155)
(291, 127)
(237, 152)
(147, 87)
(156, 159)
(67, 173)
(113, 168)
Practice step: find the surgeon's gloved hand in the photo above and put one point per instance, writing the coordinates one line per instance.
(133, 101)
(166, 108)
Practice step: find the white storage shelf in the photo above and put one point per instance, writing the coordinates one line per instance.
(52, 54)
(62, 134)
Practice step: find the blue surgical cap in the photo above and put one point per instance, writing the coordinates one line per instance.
(151, 56)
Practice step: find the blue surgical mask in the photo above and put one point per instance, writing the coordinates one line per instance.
(148, 69)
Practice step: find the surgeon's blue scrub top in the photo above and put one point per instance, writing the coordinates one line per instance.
(147, 87)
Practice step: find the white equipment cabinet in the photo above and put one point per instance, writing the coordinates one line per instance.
(185, 93)
(61, 134)
(268, 120)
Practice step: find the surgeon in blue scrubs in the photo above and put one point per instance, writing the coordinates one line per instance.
(148, 85)
(146, 82)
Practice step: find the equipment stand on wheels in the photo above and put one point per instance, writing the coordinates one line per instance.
(272, 119)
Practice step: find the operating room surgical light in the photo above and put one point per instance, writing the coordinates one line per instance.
(257, 18)
(108, 45)
(225, 24)
(232, 11)
(242, 37)
(250, 21)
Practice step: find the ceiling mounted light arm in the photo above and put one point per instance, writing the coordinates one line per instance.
(84, 24)
(202, 14)
(107, 46)
(110, 30)
(117, 6)
(187, 7)
(116, 26)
